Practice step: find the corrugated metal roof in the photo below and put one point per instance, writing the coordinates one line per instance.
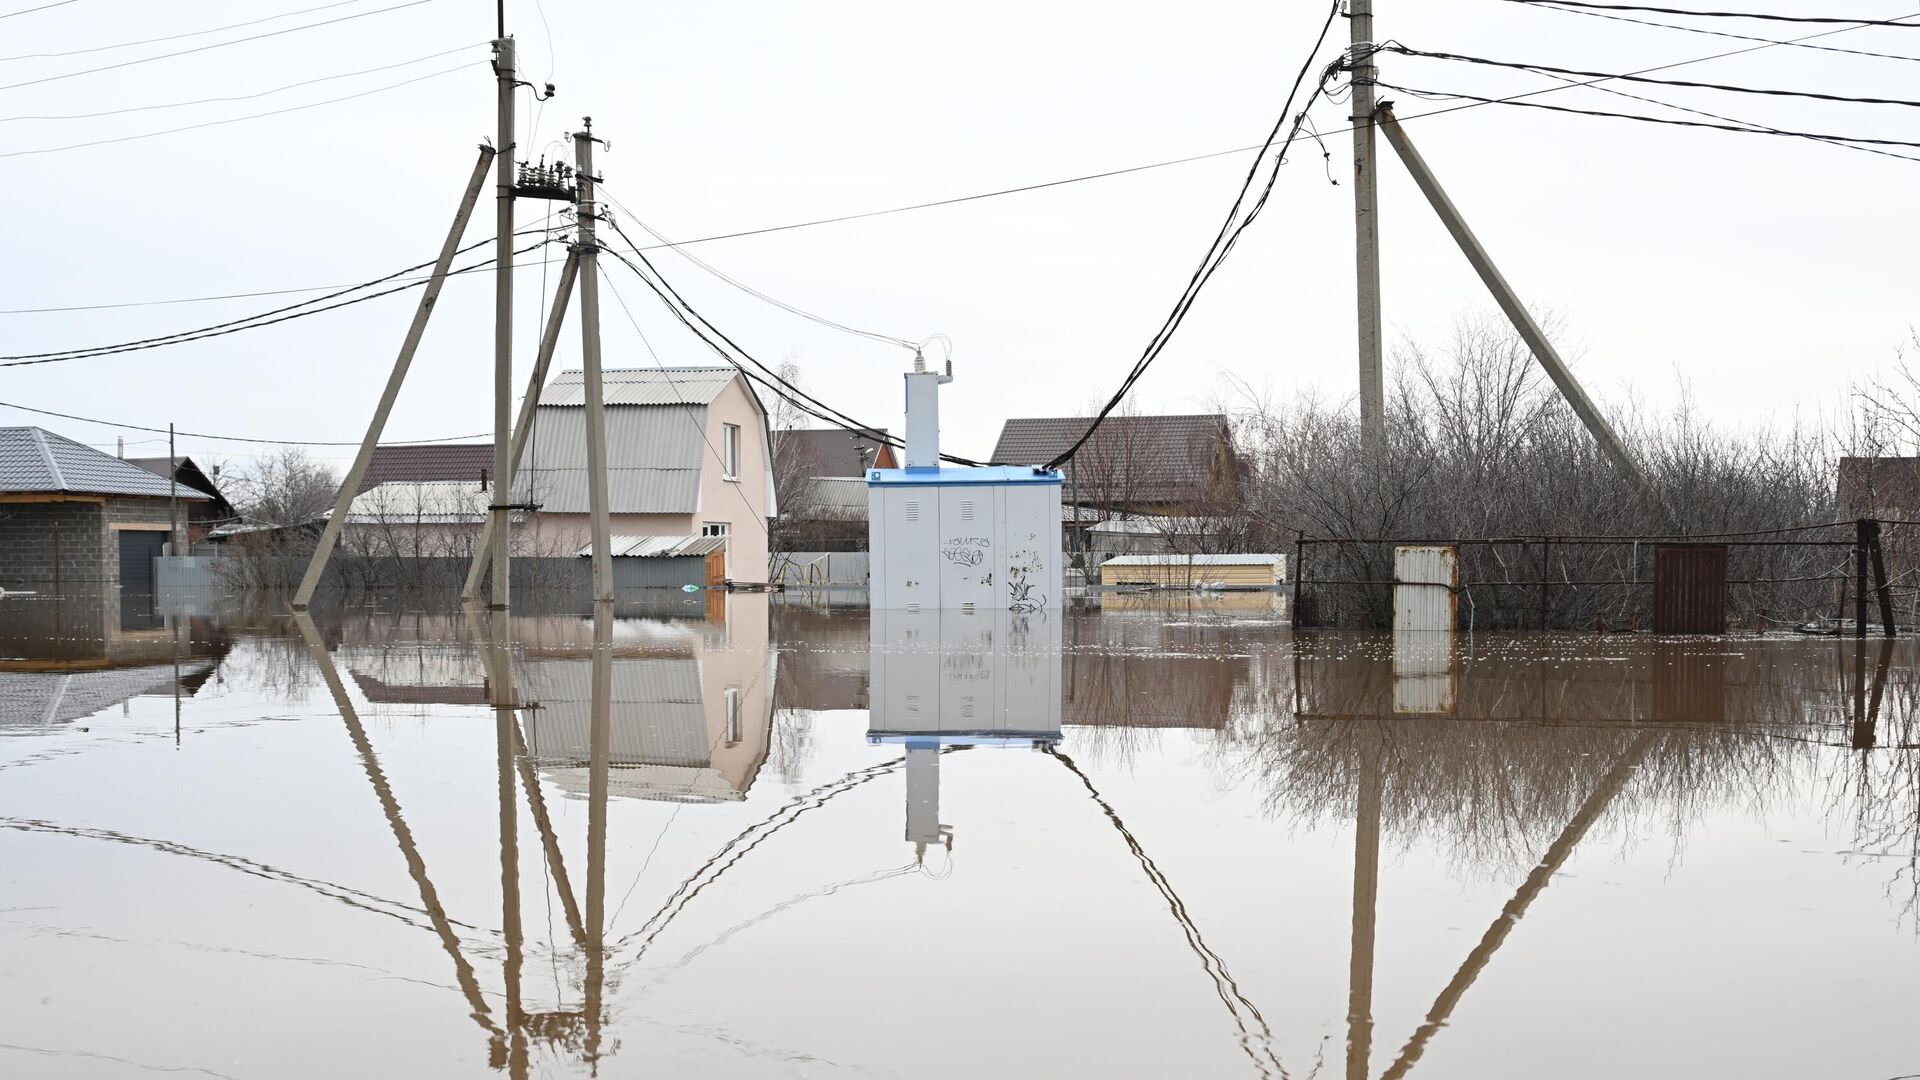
(446, 461)
(35, 699)
(661, 547)
(1196, 560)
(642, 386)
(671, 442)
(443, 502)
(1129, 459)
(34, 459)
(658, 718)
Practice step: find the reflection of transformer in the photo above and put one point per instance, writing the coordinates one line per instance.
(948, 678)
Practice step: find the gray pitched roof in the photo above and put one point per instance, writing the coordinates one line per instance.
(1129, 458)
(36, 460)
(829, 451)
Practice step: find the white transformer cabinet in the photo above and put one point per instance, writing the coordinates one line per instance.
(965, 539)
(960, 539)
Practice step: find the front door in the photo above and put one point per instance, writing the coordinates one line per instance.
(138, 549)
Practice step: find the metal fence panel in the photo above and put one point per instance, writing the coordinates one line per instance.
(1690, 589)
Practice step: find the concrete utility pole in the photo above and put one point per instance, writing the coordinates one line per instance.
(502, 493)
(1509, 301)
(588, 248)
(1366, 226)
(357, 472)
(483, 551)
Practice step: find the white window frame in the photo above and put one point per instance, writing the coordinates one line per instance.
(730, 452)
(730, 730)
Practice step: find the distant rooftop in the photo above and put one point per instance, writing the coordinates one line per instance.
(34, 460)
(1128, 458)
(465, 462)
(833, 451)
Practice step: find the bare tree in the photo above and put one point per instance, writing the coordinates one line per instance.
(285, 487)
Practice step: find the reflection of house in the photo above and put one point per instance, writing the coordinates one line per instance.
(692, 698)
(38, 700)
(73, 518)
(1133, 464)
(692, 716)
(201, 517)
(687, 455)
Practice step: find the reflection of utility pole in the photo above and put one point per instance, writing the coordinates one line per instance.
(1556, 856)
(500, 680)
(923, 798)
(600, 751)
(1866, 708)
(403, 836)
(1366, 896)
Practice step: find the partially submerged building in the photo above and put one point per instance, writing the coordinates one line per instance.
(688, 454)
(74, 518)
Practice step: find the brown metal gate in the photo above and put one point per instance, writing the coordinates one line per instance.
(1690, 589)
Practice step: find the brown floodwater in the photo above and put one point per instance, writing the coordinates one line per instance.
(737, 837)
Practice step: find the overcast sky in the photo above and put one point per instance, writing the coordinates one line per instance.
(1766, 272)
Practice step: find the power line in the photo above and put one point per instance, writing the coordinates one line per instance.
(229, 438)
(239, 97)
(215, 45)
(1637, 78)
(1734, 36)
(1223, 241)
(249, 116)
(1742, 128)
(31, 10)
(174, 37)
(886, 339)
(1850, 23)
(1758, 129)
(1764, 43)
(254, 322)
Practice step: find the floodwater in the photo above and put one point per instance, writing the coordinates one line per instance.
(750, 838)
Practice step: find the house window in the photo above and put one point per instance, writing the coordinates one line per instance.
(731, 733)
(730, 452)
(714, 528)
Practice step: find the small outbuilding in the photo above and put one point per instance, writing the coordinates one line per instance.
(73, 518)
(1194, 571)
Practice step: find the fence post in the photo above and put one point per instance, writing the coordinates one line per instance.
(1299, 577)
(1546, 558)
(1878, 551)
(1860, 577)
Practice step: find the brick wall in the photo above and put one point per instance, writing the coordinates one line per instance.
(49, 545)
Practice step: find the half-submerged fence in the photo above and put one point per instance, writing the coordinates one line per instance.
(1823, 577)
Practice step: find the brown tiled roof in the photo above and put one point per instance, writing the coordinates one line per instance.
(833, 451)
(1878, 485)
(453, 461)
(1129, 458)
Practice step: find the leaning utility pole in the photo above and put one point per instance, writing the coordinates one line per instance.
(1366, 226)
(501, 496)
(1509, 301)
(588, 248)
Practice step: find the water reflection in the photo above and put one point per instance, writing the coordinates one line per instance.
(621, 841)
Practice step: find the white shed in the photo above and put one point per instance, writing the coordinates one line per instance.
(964, 538)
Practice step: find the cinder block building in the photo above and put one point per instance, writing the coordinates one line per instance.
(73, 519)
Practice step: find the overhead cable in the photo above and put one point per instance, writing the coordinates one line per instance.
(822, 320)
(215, 45)
(1738, 37)
(1239, 216)
(31, 10)
(230, 438)
(1763, 44)
(252, 322)
(174, 37)
(239, 97)
(1637, 78)
(238, 119)
(1742, 128)
(1696, 14)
